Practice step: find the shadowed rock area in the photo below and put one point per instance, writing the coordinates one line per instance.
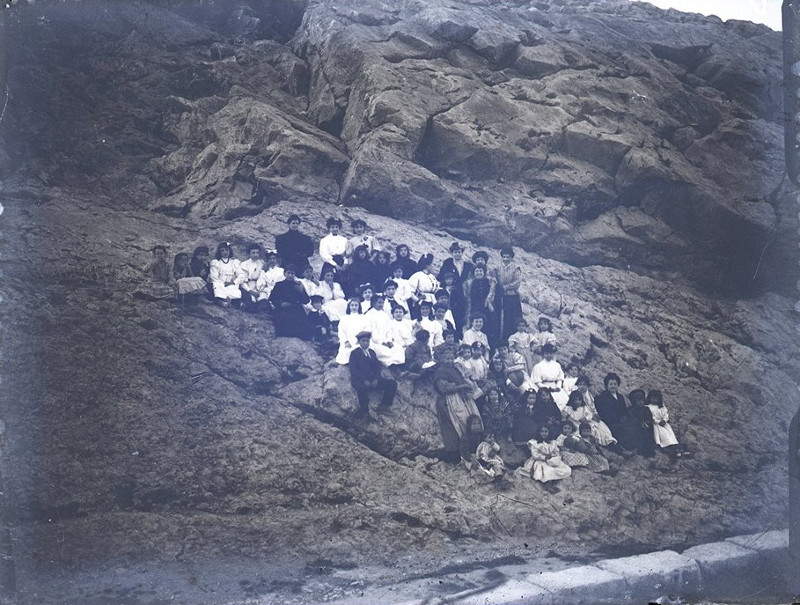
(632, 156)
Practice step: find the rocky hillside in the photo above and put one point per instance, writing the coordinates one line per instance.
(632, 156)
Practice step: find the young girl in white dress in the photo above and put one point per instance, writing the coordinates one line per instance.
(225, 276)
(349, 325)
(520, 341)
(429, 323)
(399, 332)
(270, 276)
(333, 301)
(547, 374)
(662, 431)
(545, 463)
(577, 411)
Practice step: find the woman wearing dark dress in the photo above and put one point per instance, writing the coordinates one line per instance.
(611, 405)
(456, 265)
(288, 297)
(294, 248)
(359, 271)
(403, 254)
(454, 405)
(508, 276)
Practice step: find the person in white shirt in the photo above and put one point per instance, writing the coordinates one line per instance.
(332, 247)
(547, 374)
(251, 271)
(225, 276)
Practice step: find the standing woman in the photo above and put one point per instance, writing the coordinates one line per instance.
(456, 265)
(294, 248)
(288, 297)
(423, 282)
(225, 275)
(508, 275)
(332, 247)
(454, 405)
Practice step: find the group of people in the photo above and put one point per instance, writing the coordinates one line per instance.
(388, 316)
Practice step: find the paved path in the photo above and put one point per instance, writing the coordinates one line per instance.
(744, 569)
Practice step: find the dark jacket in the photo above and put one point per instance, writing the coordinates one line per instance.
(363, 368)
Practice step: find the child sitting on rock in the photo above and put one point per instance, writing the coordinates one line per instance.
(545, 334)
(663, 434)
(587, 445)
(189, 286)
(418, 354)
(497, 413)
(319, 324)
(475, 334)
(160, 284)
(568, 442)
(472, 437)
(488, 458)
(545, 463)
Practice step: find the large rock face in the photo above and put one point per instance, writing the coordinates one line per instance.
(633, 158)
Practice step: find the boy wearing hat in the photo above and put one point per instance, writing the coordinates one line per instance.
(365, 376)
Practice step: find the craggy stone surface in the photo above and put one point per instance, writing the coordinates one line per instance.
(640, 181)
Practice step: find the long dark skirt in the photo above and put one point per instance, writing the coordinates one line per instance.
(509, 310)
(290, 321)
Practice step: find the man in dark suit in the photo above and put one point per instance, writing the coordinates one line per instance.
(365, 375)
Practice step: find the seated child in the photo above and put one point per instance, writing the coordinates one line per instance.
(572, 372)
(469, 441)
(514, 366)
(189, 285)
(497, 413)
(663, 434)
(443, 298)
(567, 442)
(160, 283)
(449, 343)
(578, 412)
(392, 300)
(587, 445)
(418, 354)
(318, 323)
(545, 334)
(251, 269)
(429, 324)
(545, 463)
(488, 459)
(475, 334)
(638, 427)
(270, 276)
(440, 311)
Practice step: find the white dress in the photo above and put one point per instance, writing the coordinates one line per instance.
(549, 374)
(489, 460)
(267, 281)
(330, 245)
(664, 435)
(424, 285)
(377, 322)
(400, 334)
(404, 291)
(471, 336)
(545, 463)
(349, 326)
(334, 303)
(225, 277)
(600, 430)
(435, 329)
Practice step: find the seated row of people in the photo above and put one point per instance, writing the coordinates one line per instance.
(472, 287)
